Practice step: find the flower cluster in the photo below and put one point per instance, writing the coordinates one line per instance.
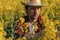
(11, 20)
(23, 27)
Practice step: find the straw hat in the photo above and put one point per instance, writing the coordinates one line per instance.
(33, 3)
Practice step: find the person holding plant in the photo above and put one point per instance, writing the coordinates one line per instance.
(33, 10)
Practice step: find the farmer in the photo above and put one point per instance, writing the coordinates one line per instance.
(33, 9)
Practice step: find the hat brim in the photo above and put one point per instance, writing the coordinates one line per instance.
(38, 5)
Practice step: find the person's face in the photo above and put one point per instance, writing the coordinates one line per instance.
(33, 12)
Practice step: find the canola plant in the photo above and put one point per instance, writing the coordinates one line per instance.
(11, 12)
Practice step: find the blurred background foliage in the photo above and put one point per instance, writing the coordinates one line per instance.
(12, 10)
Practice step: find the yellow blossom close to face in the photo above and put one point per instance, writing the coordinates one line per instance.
(22, 20)
(26, 25)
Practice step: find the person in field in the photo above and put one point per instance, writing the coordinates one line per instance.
(33, 10)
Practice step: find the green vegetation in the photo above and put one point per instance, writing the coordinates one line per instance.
(12, 10)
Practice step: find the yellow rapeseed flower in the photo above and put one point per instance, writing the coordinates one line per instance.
(19, 39)
(22, 19)
(10, 38)
(26, 25)
(23, 38)
(36, 27)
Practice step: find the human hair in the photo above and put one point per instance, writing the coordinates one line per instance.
(26, 8)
